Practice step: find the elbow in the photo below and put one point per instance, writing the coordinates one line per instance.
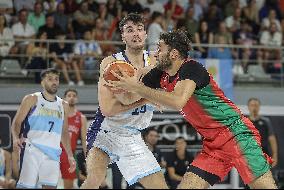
(179, 105)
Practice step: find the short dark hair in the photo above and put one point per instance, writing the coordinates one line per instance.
(156, 15)
(48, 71)
(177, 40)
(254, 99)
(133, 17)
(149, 130)
(70, 90)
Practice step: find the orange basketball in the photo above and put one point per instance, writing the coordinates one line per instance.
(126, 67)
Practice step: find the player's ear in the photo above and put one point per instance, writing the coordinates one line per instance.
(123, 38)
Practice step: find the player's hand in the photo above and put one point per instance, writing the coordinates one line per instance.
(275, 161)
(18, 142)
(125, 82)
(72, 164)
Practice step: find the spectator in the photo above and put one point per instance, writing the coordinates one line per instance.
(231, 7)
(223, 31)
(71, 7)
(266, 22)
(213, 16)
(151, 138)
(245, 37)
(50, 6)
(132, 6)
(267, 6)
(220, 52)
(2, 163)
(37, 18)
(264, 126)
(5, 183)
(233, 22)
(198, 11)
(114, 8)
(23, 30)
(6, 34)
(250, 13)
(11, 165)
(93, 5)
(272, 38)
(178, 162)
(203, 36)
(83, 20)
(174, 10)
(191, 24)
(50, 28)
(63, 21)
(86, 53)
(7, 9)
(100, 33)
(24, 4)
(154, 31)
(63, 57)
(154, 6)
(38, 53)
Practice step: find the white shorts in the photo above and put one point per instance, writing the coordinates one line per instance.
(37, 169)
(131, 154)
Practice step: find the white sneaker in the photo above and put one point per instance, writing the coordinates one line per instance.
(81, 83)
(71, 83)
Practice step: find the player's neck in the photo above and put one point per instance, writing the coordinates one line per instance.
(175, 67)
(72, 110)
(49, 97)
(133, 52)
(181, 154)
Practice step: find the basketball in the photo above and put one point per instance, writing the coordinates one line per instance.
(126, 67)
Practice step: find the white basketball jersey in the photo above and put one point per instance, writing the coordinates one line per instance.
(43, 126)
(133, 120)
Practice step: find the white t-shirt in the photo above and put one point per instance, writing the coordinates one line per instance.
(7, 35)
(18, 29)
(267, 38)
(156, 6)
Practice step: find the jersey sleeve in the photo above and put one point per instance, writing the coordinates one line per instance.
(196, 72)
(269, 126)
(152, 78)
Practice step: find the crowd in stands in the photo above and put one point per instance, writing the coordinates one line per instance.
(240, 22)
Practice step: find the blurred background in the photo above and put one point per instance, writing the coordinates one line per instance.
(240, 42)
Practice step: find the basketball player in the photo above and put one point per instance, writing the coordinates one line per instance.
(77, 127)
(114, 135)
(230, 139)
(45, 124)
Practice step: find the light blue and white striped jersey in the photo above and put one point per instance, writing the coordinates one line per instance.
(2, 163)
(134, 120)
(43, 126)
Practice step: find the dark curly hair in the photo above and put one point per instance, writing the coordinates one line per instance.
(177, 40)
(133, 17)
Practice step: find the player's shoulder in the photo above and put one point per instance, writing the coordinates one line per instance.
(265, 119)
(30, 98)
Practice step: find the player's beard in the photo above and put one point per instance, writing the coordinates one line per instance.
(51, 90)
(164, 63)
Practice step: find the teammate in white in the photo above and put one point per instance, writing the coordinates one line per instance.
(114, 135)
(45, 116)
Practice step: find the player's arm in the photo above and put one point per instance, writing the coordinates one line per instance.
(84, 132)
(65, 138)
(191, 76)
(126, 98)
(27, 103)
(109, 103)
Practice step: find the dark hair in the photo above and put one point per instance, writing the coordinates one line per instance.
(133, 17)
(48, 71)
(49, 15)
(5, 20)
(156, 15)
(254, 99)
(70, 90)
(38, 35)
(177, 40)
(22, 10)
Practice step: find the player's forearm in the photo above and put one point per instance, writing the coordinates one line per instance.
(16, 129)
(168, 99)
(118, 108)
(128, 98)
(274, 147)
(66, 142)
